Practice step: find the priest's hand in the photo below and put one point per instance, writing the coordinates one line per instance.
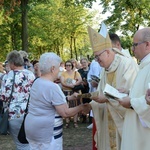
(101, 98)
(125, 102)
(147, 97)
(123, 90)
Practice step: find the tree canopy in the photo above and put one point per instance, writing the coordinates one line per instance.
(61, 26)
(126, 16)
(53, 25)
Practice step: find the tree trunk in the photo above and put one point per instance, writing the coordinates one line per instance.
(24, 33)
(71, 54)
(75, 50)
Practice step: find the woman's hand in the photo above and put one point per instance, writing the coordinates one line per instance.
(73, 96)
(86, 108)
(71, 85)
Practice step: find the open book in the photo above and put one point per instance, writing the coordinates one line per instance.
(108, 90)
(112, 92)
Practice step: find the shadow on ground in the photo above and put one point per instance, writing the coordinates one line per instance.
(73, 139)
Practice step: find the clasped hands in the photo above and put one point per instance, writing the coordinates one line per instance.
(85, 107)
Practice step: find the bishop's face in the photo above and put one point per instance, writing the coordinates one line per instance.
(102, 57)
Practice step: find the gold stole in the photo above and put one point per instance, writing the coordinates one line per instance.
(111, 79)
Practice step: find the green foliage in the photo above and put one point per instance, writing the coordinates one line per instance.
(51, 27)
(126, 16)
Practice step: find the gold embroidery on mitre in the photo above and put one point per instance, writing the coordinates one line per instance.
(98, 42)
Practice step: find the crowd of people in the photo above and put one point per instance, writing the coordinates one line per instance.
(20, 73)
(54, 86)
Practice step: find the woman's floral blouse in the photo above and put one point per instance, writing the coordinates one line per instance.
(23, 81)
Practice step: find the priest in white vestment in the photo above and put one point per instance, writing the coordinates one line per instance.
(136, 129)
(119, 71)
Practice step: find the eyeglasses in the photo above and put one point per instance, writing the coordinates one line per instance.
(68, 65)
(136, 44)
(97, 56)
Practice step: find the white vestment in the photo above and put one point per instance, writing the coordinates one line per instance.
(123, 72)
(136, 136)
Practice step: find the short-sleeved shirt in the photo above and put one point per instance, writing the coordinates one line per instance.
(22, 84)
(44, 96)
(68, 79)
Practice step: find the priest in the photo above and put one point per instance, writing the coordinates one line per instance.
(119, 71)
(136, 130)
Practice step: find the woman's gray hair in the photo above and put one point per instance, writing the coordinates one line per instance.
(23, 54)
(15, 58)
(48, 60)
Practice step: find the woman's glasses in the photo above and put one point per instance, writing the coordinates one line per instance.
(68, 65)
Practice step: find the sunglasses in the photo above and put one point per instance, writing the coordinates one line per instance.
(68, 65)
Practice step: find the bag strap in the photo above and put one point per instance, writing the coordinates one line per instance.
(12, 89)
(75, 75)
(26, 110)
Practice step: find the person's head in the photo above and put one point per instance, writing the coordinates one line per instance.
(69, 65)
(102, 47)
(34, 62)
(6, 66)
(62, 64)
(84, 62)
(74, 62)
(23, 54)
(15, 59)
(105, 57)
(141, 43)
(49, 64)
(115, 40)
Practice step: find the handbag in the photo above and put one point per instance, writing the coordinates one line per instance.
(22, 134)
(77, 87)
(5, 114)
(4, 122)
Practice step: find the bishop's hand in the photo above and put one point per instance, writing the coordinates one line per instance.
(101, 98)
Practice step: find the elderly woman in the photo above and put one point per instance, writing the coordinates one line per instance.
(21, 79)
(47, 106)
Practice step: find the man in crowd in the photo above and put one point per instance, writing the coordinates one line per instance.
(136, 129)
(119, 71)
(116, 43)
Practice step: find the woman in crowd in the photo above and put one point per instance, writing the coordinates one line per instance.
(36, 72)
(69, 79)
(21, 79)
(47, 106)
(83, 72)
